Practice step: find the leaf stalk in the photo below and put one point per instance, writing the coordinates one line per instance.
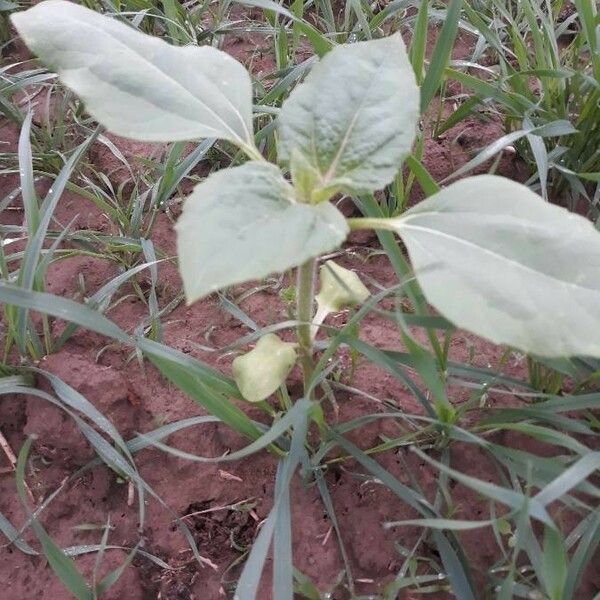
(305, 297)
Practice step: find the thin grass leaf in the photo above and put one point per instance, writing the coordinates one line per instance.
(84, 316)
(570, 478)
(116, 462)
(266, 439)
(332, 516)
(554, 563)
(61, 308)
(13, 536)
(426, 181)
(425, 365)
(540, 471)
(28, 193)
(511, 498)
(419, 42)
(496, 146)
(456, 566)
(144, 441)
(547, 435)
(304, 587)
(99, 298)
(540, 154)
(440, 54)
(60, 563)
(247, 586)
(111, 578)
(450, 524)
(380, 359)
(90, 548)
(283, 568)
(583, 554)
(320, 43)
(191, 377)
(567, 403)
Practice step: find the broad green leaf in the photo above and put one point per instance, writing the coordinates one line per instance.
(495, 259)
(244, 223)
(136, 85)
(260, 372)
(354, 118)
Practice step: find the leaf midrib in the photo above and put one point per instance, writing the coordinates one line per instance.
(496, 255)
(336, 159)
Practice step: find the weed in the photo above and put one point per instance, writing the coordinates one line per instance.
(547, 70)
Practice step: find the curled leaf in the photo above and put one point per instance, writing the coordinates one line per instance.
(340, 288)
(261, 371)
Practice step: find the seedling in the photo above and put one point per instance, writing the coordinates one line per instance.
(489, 254)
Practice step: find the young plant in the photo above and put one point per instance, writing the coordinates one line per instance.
(489, 254)
(35, 259)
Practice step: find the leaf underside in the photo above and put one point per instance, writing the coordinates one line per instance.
(497, 260)
(136, 85)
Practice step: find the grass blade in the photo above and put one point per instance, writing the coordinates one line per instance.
(441, 54)
(248, 582)
(511, 498)
(60, 563)
(570, 478)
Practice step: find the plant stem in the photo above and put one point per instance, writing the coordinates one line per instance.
(252, 152)
(385, 224)
(305, 294)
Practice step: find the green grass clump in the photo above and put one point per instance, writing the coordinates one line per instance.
(542, 70)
